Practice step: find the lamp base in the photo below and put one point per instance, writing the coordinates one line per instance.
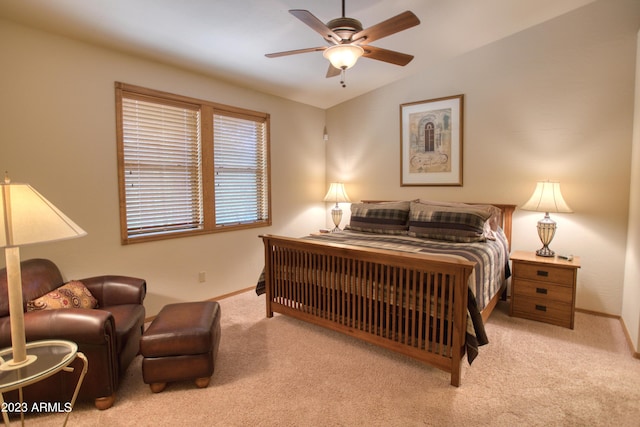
(545, 251)
(10, 365)
(336, 216)
(546, 231)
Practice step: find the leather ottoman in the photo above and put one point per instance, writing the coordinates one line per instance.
(181, 344)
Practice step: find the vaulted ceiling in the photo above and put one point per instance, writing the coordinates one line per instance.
(228, 39)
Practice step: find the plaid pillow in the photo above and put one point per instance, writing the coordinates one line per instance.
(384, 218)
(447, 223)
(494, 220)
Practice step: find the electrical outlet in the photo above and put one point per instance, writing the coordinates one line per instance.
(202, 277)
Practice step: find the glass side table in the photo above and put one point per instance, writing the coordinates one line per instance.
(52, 356)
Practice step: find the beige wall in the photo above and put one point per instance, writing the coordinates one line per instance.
(552, 102)
(631, 300)
(58, 134)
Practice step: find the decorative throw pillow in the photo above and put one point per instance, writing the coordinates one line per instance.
(494, 220)
(73, 294)
(449, 223)
(384, 218)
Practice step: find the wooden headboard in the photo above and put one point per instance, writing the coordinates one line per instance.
(507, 219)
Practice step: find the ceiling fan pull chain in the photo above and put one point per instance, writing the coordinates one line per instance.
(343, 77)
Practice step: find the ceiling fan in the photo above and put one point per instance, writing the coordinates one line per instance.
(349, 41)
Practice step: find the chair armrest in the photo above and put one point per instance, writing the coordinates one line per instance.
(116, 290)
(82, 326)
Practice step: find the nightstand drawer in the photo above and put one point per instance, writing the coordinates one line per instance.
(544, 273)
(543, 310)
(543, 291)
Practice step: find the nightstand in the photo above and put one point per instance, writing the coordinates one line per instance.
(543, 289)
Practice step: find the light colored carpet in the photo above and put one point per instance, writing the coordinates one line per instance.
(283, 372)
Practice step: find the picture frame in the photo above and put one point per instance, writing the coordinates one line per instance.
(431, 137)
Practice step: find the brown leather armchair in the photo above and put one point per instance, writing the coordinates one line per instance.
(109, 335)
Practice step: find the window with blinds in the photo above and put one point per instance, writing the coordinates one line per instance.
(240, 163)
(189, 166)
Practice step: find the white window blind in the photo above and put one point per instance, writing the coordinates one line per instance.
(162, 168)
(240, 163)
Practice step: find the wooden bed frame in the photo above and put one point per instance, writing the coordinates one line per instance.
(376, 295)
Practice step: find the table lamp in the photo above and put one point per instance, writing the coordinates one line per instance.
(26, 218)
(336, 194)
(547, 198)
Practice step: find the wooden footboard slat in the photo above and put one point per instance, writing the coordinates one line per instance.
(421, 310)
(442, 314)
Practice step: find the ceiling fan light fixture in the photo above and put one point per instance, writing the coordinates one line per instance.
(343, 56)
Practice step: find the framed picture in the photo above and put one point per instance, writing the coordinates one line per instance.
(431, 142)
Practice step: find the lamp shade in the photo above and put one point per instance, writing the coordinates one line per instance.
(547, 198)
(336, 193)
(26, 217)
(343, 56)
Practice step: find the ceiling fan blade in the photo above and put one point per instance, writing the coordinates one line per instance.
(333, 71)
(316, 25)
(386, 55)
(294, 52)
(393, 25)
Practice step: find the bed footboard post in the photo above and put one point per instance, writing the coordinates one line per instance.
(455, 375)
(461, 297)
(268, 262)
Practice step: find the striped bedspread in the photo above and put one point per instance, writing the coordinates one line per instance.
(490, 256)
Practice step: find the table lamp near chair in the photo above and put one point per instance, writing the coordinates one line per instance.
(337, 194)
(547, 198)
(26, 218)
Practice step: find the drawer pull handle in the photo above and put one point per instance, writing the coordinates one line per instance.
(541, 307)
(541, 291)
(543, 273)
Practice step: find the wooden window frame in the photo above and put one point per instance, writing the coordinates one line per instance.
(207, 111)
